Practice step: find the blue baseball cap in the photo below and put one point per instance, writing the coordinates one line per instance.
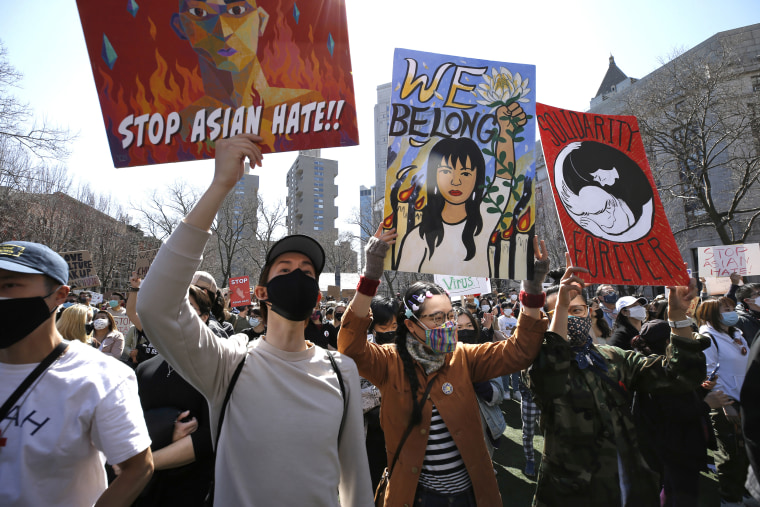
(33, 258)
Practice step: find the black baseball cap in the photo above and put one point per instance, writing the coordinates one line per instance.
(33, 258)
(301, 244)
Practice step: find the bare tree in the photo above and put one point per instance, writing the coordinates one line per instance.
(164, 210)
(270, 227)
(15, 119)
(700, 122)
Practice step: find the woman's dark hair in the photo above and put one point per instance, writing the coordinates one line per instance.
(601, 323)
(458, 310)
(384, 310)
(201, 299)
(109, 317)
(418, 290)
(708, 312)
(632, 186)
(431, 226)
(658, 309)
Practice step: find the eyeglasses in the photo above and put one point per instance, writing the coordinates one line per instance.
(578, 310)
(439, 318)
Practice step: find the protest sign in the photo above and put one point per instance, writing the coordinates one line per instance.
(240, 291)
(347, 293)
(122, 322)
(175, 77)
(611, 215)
(461, 167)
(144, 260)
(463, 285)
(718, 286)
(81, 272)
(97, 298)
(722, 260)
(334, 291)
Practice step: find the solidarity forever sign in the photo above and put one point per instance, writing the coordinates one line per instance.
(722, 260)
(609, 209)
(174, 77)
(461, 167)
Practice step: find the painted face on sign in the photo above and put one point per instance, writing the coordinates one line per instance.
(455, 182)
(605, 177)
(225, 33)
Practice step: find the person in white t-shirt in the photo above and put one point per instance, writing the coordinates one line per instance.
(81, 407)
(507, 321)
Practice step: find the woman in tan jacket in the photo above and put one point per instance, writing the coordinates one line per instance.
(444, 457)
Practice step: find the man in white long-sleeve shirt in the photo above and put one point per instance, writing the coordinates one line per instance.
(287, 437)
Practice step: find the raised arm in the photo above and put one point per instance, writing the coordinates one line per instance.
(570, 286)
(533, 290)
(134, 283)
(228, 170)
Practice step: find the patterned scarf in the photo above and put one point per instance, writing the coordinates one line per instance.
(582, 344)
(429, 360)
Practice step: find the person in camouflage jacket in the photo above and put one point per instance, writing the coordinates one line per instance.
(584, 391)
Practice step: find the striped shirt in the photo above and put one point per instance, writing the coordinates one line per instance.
(443, 470)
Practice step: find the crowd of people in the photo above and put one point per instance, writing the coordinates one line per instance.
(295, 400)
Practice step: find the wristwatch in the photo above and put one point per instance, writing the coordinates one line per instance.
(678, 324)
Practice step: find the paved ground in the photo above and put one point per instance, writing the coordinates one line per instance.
(517, 490)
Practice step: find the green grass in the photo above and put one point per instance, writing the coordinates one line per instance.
(517, 490)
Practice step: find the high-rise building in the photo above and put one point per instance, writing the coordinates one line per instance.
(366, 229)
(382, 118)
(311, 194)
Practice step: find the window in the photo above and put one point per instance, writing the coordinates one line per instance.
(756, 83)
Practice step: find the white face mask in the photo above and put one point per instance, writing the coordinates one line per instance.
(100, 324)
(485, 308)
(638, 313)
(513, 297)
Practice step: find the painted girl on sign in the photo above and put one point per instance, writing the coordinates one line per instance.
(463, 208)
(604, 191)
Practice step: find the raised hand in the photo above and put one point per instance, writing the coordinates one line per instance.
(230, 158)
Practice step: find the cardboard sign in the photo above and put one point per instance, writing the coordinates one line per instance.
(347, 293)
(175, 77)
(722, 260)
(240, 291)
(718, 286)
(463, 285)
(611, 215)
(334, 291)
(144, 260)
(461, 167)
(122, 323)
(81, 272)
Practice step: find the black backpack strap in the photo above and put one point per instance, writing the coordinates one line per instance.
(717, 349)
(29, 380)
(342, 391)
(230, 387)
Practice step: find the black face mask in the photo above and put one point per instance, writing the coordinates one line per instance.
(89, 328)
(385, 337)
(338, 317)
(467, 336)
(30, 314)
(599, 314)
(293, 295)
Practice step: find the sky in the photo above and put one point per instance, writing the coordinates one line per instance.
(569, 42)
